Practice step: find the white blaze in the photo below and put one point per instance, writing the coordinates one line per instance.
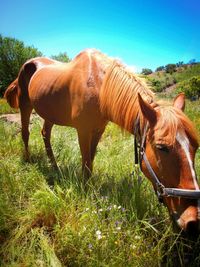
(184, 143)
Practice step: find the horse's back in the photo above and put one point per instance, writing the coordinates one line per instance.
(68, 93)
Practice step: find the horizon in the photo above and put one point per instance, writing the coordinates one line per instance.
(143, 35)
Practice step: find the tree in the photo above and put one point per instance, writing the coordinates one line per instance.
(13, 54)
(179, 64)
(192, 61)
(161, 68)
(146, 71)
(170, 68)
(63, 57)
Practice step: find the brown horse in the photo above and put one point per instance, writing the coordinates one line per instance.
(93, 89)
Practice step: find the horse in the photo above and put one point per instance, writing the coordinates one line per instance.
(94, 89)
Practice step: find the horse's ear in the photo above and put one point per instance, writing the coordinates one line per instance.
(179, 101)
(147, 110)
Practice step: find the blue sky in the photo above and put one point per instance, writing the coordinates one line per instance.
(141, 33)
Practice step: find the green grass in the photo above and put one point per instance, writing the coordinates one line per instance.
(5, 108)
(115, 221)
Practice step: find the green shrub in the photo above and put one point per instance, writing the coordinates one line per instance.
(159, 83)
(170, 68)
(146, 71)
(156, 84)
(190, 87)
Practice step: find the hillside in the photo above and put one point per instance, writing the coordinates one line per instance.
(185, 78)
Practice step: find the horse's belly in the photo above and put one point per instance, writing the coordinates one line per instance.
(54, 117)
(54, 107)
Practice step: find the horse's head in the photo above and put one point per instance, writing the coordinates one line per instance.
(170, 147)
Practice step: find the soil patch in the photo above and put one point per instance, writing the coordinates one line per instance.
(14, 118)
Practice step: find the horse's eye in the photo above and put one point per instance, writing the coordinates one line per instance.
(162, 148)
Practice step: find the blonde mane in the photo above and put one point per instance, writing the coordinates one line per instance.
(172, 121)
(119, 95)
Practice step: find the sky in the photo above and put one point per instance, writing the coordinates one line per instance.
(143, 34)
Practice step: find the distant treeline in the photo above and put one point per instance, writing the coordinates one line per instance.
(170, 68)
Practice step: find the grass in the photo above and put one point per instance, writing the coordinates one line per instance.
(5, 108)
(115, 221)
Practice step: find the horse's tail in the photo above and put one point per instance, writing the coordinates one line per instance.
(21, 84)
(25, 75)
(11, 94)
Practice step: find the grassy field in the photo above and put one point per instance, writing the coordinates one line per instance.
(115, 221)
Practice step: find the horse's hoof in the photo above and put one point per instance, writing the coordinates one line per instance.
(55, 166)
(26, 157)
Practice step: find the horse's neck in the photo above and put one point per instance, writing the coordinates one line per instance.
(119, 97)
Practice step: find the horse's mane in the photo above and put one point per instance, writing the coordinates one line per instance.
(119, 95)
(174, 120)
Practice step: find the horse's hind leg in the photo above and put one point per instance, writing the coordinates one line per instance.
(25, 119)
(46, 133)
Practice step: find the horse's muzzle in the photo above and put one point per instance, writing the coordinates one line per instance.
(190, 225)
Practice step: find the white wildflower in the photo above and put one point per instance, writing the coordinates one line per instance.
(137, 237)
(98, 234)
(94, 212)
(133, 246)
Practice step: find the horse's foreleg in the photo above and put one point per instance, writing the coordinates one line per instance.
(25, 119)
(85, 147)
(96, 136)
(46, 133)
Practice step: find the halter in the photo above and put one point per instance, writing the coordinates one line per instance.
(160, 189)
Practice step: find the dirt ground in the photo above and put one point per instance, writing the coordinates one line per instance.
(14, 118)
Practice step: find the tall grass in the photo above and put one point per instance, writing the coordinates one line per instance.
(115, 220)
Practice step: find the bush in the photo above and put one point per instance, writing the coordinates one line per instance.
(191, 87)
(160, 82)
(156, 84)
(170, 68)
(161, 68)
(146, 71)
